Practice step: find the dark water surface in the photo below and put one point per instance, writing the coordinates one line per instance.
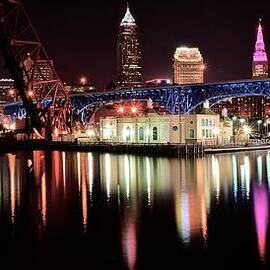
(88, 211)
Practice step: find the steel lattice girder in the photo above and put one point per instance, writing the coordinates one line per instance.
(176, 99)
(22, 48)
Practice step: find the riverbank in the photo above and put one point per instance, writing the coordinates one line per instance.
(236, 149)
(168, 150)
(171, 150)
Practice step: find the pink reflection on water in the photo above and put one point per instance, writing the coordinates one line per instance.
(130, 244)
(261, 217)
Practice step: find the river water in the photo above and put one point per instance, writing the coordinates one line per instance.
(69, 210)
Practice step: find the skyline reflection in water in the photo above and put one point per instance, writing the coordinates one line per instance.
(125, 209)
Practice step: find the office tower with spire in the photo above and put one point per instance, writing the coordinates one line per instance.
(260, 60)
(256, 107)
(252, 107)
(129, 53)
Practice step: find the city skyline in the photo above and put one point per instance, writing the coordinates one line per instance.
(220, 42)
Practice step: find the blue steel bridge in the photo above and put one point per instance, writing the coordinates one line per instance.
(184, 99)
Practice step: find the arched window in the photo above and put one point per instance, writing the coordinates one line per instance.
(203, 123)
(141, 133)
(128, 134)
(155, 134)
(203, 132)
(210, 122)
(206, 122)
(192, 133)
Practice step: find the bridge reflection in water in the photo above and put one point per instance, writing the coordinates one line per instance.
(126, 207)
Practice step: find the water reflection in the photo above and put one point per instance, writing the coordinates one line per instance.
(63, 190)
(261, 216)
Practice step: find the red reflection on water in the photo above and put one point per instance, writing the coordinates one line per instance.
(130, 244)
(261, 217)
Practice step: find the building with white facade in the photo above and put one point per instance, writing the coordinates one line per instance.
(205, 127)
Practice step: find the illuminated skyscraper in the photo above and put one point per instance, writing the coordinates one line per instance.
(256, 107)
(260, 60)
(129, 53)
(188, 66)
(252, 107)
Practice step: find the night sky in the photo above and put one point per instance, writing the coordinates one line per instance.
(80, 36)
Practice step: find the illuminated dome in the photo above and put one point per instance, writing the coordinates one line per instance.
(128, 19)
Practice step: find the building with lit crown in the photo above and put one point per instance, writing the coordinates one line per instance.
(251, 107)
(260, 60)
(129, 67)
(188, 67)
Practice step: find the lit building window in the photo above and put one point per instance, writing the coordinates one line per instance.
(141, 133)
(192, 133)
(155, 134)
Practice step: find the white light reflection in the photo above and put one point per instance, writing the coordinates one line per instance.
(108, 171)
(127, 176)
(245, 176)
(185, 219)
(235, 178)
(90, 174)
(148, 178)
(259, 168)
(216, 175)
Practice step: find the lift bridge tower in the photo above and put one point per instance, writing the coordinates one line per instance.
(46, 101)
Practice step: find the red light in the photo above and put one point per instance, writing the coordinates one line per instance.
(134, 110)
(121, 109)
(30, 93)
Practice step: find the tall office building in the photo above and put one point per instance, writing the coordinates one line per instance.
(256, 107)
(188, 67)
(44, 71)
(260, 60)
(252, 107)
(129, 53)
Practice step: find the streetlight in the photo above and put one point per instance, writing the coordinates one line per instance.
(259, 122)
(83, 80)
(242, 121)
(134, 110)
(121, 110)
(247, 131)
(30, 93)
(234, 118)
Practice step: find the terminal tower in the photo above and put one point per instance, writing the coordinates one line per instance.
(260, 60)
(129, 53)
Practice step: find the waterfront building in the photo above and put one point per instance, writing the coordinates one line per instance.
(129, 53)
(188, 67)
(205, 127)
